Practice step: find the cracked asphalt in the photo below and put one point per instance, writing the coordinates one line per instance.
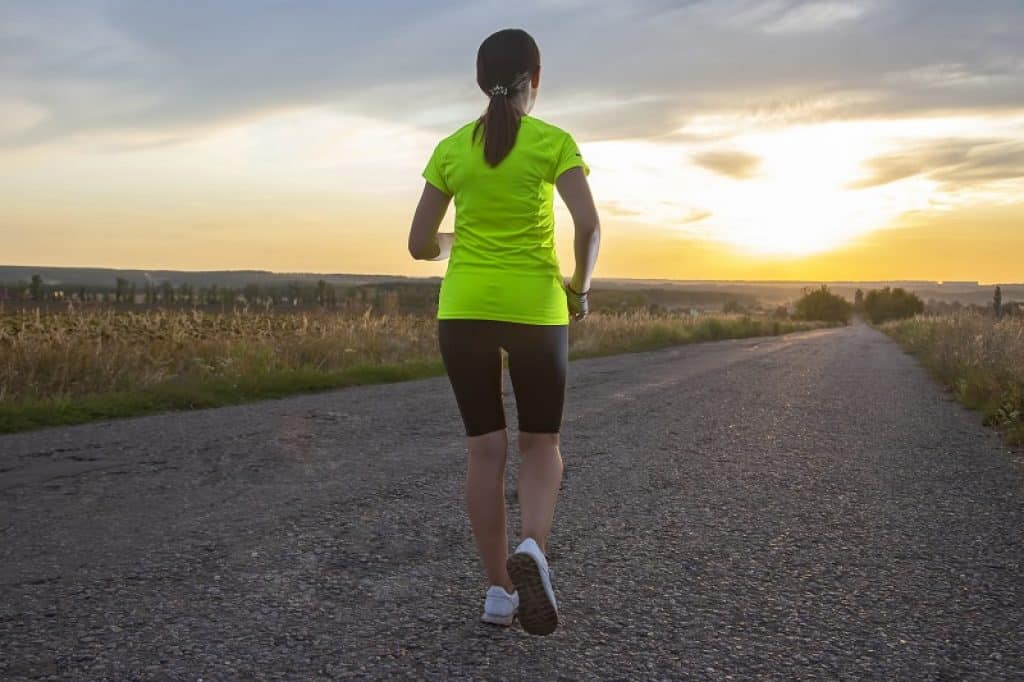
(805, 506)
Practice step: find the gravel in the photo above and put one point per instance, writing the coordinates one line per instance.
(804, 506)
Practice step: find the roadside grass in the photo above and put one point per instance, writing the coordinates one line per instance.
(610, 334)
(192, 393)
(979, 358)
(74, 367)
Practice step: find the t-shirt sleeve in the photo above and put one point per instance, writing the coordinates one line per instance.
(569, 156)
(434, 173)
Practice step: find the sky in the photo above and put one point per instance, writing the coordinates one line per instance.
(727, 139)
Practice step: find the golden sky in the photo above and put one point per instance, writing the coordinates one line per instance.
(728, 139)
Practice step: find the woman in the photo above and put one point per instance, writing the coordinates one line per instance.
(503, 289)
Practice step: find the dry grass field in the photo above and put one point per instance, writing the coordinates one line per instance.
(73, 366)
(980, 358)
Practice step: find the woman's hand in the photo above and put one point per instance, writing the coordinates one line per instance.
(572, 186)
(579, 303)
(445, 241)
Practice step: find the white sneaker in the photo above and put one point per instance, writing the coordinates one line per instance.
(528, 568)
(500, 606)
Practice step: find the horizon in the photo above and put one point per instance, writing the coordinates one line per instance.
(976, 282)
(729, 140)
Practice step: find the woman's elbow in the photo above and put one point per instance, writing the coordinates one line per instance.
(416, 250)
(589, 226)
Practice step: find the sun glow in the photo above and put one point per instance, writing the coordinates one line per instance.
(801, 201)
(776, 191)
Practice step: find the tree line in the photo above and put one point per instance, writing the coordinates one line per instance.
(397, 297)
(879, 305)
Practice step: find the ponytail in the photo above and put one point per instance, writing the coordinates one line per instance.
(505, 65)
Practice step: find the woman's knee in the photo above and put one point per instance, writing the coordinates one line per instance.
(490, 444)
(534, 442)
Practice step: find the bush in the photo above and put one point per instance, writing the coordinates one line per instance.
(979, 357)
(885, 304)
(824, 306)
(733, 306)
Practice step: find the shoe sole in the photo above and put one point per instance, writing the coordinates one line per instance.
(504, 621)
(537, 614)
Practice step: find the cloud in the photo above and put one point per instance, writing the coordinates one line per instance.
(671, 213)
(954, 163)
(815, 16)
(143, 65)
(695, 216)
(734, 164)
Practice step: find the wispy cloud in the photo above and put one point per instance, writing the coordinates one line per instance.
(734, 164)
(816, 16)
(957, 164)
(78, 67)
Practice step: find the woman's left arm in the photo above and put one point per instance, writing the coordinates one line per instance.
(426, 221)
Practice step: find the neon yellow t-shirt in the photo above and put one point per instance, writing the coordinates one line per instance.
(503, 264)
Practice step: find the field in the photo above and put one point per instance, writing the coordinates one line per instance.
(980, 358)
(70, 367)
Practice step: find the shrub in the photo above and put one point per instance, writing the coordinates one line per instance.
(885, 304)
(733, 306)
(979, 357)
(824, 306)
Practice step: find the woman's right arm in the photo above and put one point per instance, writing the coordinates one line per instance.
(575, 192)
(423, 243)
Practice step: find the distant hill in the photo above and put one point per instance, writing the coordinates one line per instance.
(235, 279)
(711, 290)
(780, 292)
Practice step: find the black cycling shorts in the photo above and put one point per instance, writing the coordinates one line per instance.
(538, 358)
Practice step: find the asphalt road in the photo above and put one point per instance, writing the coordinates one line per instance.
(812, 505)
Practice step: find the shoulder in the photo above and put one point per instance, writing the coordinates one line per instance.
(549, 129)
(461, 133)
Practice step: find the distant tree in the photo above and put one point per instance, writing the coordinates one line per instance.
(321, 292)
(150, 292)
(251, 293)
(781, 312)
(997, 301)
(36, 288)
(891, 304)
(120, 289)
(732, 306)
(858, 300)
(167, 292)
(823, 305)
(131, 293)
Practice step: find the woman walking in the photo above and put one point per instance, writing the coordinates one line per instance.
(503, 289)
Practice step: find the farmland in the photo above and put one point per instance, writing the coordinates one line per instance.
(99, 362)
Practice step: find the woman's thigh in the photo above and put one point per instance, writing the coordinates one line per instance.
(538, 359)
(471, 354)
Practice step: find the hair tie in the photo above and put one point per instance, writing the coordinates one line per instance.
(498, 90)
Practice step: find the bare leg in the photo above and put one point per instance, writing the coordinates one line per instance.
(485, 502)
(540, 473)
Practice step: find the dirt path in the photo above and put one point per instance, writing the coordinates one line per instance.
(811, 505)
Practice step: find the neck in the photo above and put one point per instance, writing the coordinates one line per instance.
(521, 101)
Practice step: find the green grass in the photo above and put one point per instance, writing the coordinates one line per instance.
(640, 332)
(240, 369)
(979, 358)
(194, 393)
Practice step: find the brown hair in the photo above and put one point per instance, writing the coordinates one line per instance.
(505, 65)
